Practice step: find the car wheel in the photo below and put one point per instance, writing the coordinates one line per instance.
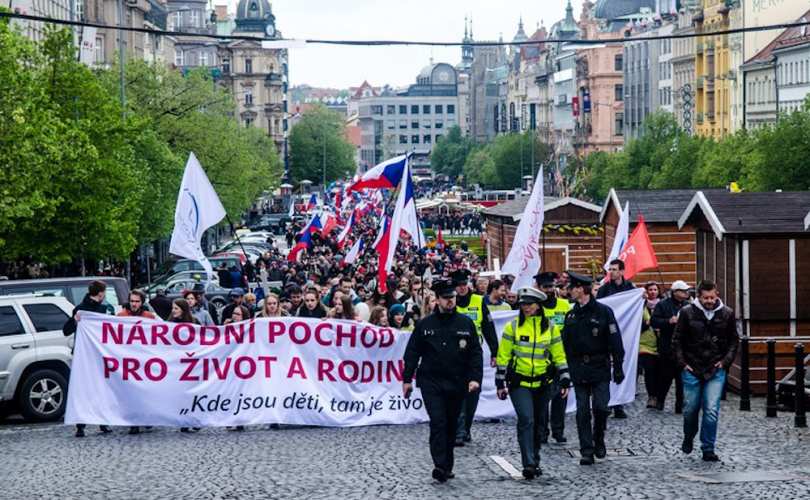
(43, 396)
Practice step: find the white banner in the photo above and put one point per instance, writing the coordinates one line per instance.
(523, 260)
(129, 371)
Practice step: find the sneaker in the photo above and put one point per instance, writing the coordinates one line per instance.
(652, 403)
(619, 412)
(105, 429)
(134, 430)
(586, 460)
(687, 446)
(710, 456)
(439, 475)
(80, 433)
(451, 475)
(528, 473)
(599, 450)
(185, 429)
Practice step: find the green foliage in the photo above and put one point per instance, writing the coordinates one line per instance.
(502, 163)
(79, 177)
(665, 157)
(321, 132)
(450, 154)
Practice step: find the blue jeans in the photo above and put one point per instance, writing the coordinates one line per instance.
(700, 394)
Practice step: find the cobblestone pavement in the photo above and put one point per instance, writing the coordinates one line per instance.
(644, 461)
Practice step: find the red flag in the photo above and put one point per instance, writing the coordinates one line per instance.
(638, 254)
(440, 240)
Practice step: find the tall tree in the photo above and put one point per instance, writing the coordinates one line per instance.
(450, 153)
(318, 147)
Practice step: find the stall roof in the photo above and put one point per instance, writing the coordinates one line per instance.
(656, 205)
(759, 213)
(515, 208)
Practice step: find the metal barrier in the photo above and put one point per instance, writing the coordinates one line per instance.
(800, 420)
(745, 376)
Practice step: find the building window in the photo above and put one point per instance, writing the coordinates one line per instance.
(204, 58)
(376, 109)
(414, 125)
(618, 90)
(426, 139)
(415, 109)
(451, 109)
(248, 122)
(619, 124)
(438, 138)
(403, 124)
(439, 124)
(390, 109)
(99, 55)
(194, 18)
(176, 20)
(226, 66)
(439, 109)
(618, 62)
(426, 124)
(248, 98)
(403, 109)
(414, 139)
(403, 139)
(426, 109)
(390, 125)
(248, 66)
(179, 57)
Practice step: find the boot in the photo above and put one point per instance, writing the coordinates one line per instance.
(586, 460)
(600, 424)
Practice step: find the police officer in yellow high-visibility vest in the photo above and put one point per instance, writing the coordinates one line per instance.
(472, 305)
(555, 310)
(530, 353)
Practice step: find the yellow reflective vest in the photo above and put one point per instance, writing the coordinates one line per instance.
(556, 316)
(530, 350)
(474, 311)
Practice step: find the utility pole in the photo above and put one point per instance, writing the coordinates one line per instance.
(121, 62)
(323, 156)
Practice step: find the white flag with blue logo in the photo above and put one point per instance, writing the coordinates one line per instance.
(198, 208)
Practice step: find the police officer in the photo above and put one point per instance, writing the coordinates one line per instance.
(530, 353)
(592, 340)
(472, 305)
(554, 310)
(451, 367)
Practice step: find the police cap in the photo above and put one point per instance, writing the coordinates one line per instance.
(576, 279)
(444, 288)
(547, 278)
(530, 295)
(460, 277)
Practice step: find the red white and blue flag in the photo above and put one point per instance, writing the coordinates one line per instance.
(313, 202)
(305, 239)
(354, 252)
(386, 175)
(347, 229)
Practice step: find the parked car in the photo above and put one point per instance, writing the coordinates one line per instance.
(272, 222)
(230, 260)
(34, 356)
(190, 275)
(215, 294)
(73, 289)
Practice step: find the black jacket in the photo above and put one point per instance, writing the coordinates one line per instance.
(591, 338)
(663, 311)
(701, 343)
(162, 306)
(487, 327)
(612, 288)
(444, 350)
(319, 312)
(87, 304)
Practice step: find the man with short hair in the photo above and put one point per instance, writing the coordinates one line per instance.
(592, 342)
(445, 356)
(236, 295)
(136, 306)
(705, 344)
(93, 301)
(616, 284)
(296, 296)
(664, 318)
(494, 299)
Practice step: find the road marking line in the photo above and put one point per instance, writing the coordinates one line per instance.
(507, 467)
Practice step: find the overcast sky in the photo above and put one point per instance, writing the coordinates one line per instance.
(434, 20)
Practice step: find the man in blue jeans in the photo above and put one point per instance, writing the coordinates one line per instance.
(705, 343)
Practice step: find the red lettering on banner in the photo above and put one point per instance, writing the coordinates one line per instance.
(159, 331)
(299, 325)
(325, 367)
(240, 363)
(114, 331)
(136, 333)
(318, 329)
(368, 340)
(191, 362)
(236, 331)
(396, 369)
(343, 368)
(386, 337)
(162, 367)
(110, 365)
(343, 334)
(130, 368)
(180, 340)
(221, 371)
(215, 337)
(274, 329)
(268, 360)
(296, 368)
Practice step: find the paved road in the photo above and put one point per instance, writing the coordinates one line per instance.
(46, 461)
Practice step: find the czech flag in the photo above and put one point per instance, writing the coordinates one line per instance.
(346, 229)
(305, 241)
(329, 224)
(386, 175)
(354, 252)
(313, 202)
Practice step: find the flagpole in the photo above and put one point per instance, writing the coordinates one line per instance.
(228, 217)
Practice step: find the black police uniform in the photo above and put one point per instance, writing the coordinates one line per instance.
(592, 339)
(555, 415)
(451, 357)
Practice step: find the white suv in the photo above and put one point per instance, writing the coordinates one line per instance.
(34, 355)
